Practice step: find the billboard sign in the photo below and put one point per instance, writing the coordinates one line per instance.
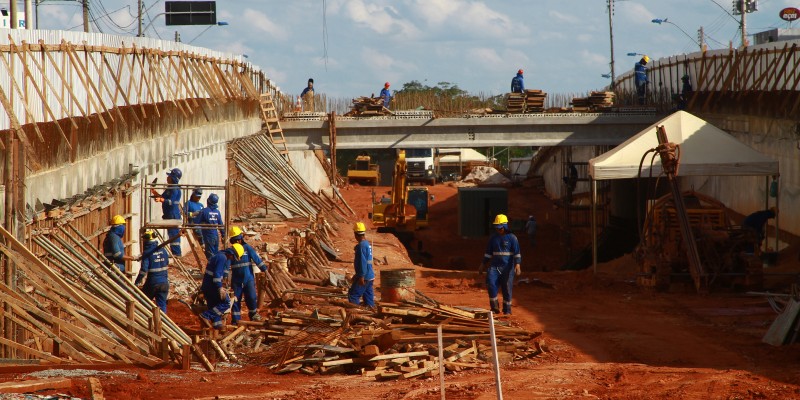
(191, 12)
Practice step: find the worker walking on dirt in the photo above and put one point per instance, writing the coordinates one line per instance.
(242, 279)
(386, 95)
(640, 79)
(308, 96)
(361, 288)
(113, 248)
(153, 277)
(170, 201)
(518, 83)
(210, 215)
(214, 291)
(503, 259)
(192, 209)
(755, 223)
(530, 229)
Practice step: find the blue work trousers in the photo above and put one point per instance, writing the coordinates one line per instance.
(157, 292)
(500, 279)
(248, 289)
(217, 306)
(175, 247)
(357, 292)
(210, 246)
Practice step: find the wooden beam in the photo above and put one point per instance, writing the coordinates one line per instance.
(35, 385)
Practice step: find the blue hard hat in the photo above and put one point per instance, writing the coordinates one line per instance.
(213, 198)
(176, 174)
(197, 192)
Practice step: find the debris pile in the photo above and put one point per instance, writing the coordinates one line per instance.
(367, 107)
(483, 175)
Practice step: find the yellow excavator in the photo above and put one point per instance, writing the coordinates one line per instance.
(364, 171)
(407, 209)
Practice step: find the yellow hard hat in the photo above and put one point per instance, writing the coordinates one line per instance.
(238, 250)
(359, 227)
(235, 231)
(500, 219)
(646, 58)
(149, 235)
(117, 220)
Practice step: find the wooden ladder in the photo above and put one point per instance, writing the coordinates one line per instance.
(270, 116)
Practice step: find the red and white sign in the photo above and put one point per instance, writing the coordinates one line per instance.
(789, 14)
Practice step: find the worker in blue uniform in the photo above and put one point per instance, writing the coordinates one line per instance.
(361, 288)
(113, 248)
(215, 293)
(242, 280)
(386, 95)
(640, 79)
(170, 201)
(210, 215)
(755, 223)
(153, 276)
(503, 260)
(192, 209)
(518, 83)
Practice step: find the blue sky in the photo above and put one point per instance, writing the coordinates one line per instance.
(563, 45)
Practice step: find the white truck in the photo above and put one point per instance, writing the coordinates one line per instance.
(420, 166)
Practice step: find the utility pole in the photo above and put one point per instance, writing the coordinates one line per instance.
(701, 39)
(743, 4)
(139, 17)
(611, 39)
(28, 14)
(12, 9)
(177, 36)
(86, 16)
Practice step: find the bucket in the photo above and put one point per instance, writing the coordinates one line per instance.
(396, 284)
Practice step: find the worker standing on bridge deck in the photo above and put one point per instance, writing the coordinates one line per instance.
(641, 79)
(242, 279)
(308, 96)
(518, 83)
(365, 275)
(386, 95)
(154, 268)
(211, 216)
(503, 259)
(214, 291)
(170, 201)
(113, 248)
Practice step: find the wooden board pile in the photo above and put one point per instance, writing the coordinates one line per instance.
(597, 101)
(534, 100)
(515, 103)
(321, 333)
(367, 107)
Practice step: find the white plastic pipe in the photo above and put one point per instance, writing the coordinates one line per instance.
(441, 360)
(495, 358)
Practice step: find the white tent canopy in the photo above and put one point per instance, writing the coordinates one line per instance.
(704, 150)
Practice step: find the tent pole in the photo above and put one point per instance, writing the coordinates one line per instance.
(777, 214)
(594, 225)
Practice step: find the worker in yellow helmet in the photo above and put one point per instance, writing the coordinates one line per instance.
(217, 299)
(113, 248)
(242, 280)
(361, 288)
(640, 78)
(503, 260)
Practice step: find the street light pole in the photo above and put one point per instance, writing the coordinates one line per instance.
(611, 39)
(139, 17)
(666, 21)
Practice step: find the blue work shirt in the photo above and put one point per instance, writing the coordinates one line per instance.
(154, 265)
(518, 84)
(386, 95)
(210, 215)
(192, 210)
(503, 251)
(640, 74)
(306, 90)
(215, 269)
(170, 207)
(363, 260)
(241, 271)
(113, 248)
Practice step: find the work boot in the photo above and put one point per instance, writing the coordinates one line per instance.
(494, 305)
(507, 308)
(256, 317)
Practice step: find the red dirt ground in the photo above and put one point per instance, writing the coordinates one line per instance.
(606, 338)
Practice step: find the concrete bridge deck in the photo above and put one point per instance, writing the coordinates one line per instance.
(567, 129)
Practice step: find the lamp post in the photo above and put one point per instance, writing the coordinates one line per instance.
(665, 21)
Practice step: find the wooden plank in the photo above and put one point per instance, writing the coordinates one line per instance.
(83, 75)
(399, 355)
(30, 351)
(96, 389)
(776, 335)
(35, 385)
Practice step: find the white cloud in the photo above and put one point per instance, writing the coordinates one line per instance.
(260, 21)
(634, 13)
(561, 17)
(584, 37)
(382, 20)
(593, 59)
(470, 17)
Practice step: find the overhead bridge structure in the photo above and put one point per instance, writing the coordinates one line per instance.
(424, 131)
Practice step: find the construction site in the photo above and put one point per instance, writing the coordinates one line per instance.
(641, 278)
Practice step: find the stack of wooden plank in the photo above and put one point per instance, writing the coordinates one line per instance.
(597, 101)
(367, 107)
(515, 104)
(534, 100)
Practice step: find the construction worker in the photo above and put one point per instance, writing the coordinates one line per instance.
(153, 277)
(530, 229)
(170, 201)
(113, 248)
(386, 95)
(755, 223)
(518, 83)
(361, 288)
(192, 209)
(308, 96)
(214, 291)
(242, 279)
(210, 215)
(503, 259)
(640, 78)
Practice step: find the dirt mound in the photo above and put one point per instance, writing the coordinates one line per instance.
(486, 176)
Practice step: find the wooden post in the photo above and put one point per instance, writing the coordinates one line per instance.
(130, 308)
(186, 353)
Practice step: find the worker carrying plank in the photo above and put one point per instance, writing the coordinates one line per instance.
(217, 300)
(242, 279)
(502, 259)
(308, 96)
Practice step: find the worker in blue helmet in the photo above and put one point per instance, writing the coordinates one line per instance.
(210, 215)
(242, 279)
(192, 209)
(502, 261)
(170, 201)
(153, 276)
(214, 291)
